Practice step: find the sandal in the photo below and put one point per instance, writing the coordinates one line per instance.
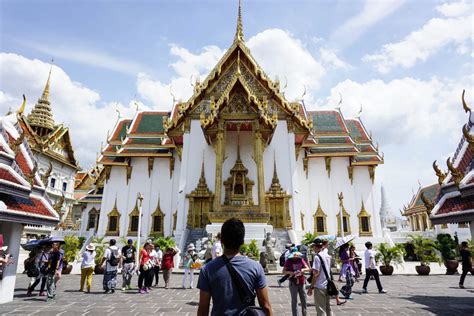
(341, 303)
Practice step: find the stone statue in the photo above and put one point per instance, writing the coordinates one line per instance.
(263, 261)
(269, 244)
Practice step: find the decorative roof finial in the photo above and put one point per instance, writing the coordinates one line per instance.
(239, 32)
(45, 95)
(275, 175)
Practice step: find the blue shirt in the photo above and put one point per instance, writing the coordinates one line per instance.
(216, 280)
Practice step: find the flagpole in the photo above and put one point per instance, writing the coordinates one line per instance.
(341, 197)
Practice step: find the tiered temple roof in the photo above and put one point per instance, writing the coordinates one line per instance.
(22, 193)
(455, 202)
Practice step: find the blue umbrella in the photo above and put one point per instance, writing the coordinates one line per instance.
(50, 240)
(31, 245)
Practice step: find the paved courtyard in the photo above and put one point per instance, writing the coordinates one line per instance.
(407, 294)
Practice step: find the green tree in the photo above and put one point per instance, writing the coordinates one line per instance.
(388, 255)
(71, 248)
(425, 249)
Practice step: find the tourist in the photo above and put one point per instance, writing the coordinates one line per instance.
(354, 262)
(128, 264)
(188, 261)
(371, 269)
(111, 259)
(54, 264)
(295, 267)
(216, 282)
(167, 265)
(32, 267)
(153, 255)
(217, 247)
(87, 267)
(325, 250)
(145, 278)
(346, 262)
(43, 265)
(319, 280)
(157, 264)
(466, 257)
(283, 258)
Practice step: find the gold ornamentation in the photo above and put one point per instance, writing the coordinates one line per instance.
(22, 107)
(345, 215)
(429, 205)
(200, 202)
(45, 176)
(319, 217)
(134, 215)
(171, 167)
(327, 160)
(113, 219)
(175, 219)
(464, 104)
(364, 220)
(350, 171)
(129, 170)
(456, 174)
(440, 174)
(469, 138)
(151, 162)
(160, 230)
(15, 144)
(107, 170)
(277, 201)
(239, 32)
(372, 173)
(31, 176)
(59, 205)
(302, 221)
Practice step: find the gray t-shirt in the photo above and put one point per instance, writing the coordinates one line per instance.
(216, 280)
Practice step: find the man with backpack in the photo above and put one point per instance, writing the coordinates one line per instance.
(111, 259)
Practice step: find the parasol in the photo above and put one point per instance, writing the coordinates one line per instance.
(344, 240)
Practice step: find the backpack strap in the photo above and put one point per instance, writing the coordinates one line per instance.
(323, 266)
(246, 298)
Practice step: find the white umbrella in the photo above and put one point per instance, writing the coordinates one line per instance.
(344, 240)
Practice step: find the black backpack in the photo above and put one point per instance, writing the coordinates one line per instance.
(113, 260)
(31, 268)
(282, 259)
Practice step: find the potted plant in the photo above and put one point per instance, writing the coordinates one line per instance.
(425, 249)
(447, 247)
(388, 255)
(100, 246)
(71, 248)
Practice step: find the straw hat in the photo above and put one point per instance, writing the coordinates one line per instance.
(90, 247)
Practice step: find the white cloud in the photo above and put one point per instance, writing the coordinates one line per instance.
(78, 107)
(405, 110)
(290, 60)
(453, 29)
(329, 58)
(279, 53)
(372, 12)
(88, 57)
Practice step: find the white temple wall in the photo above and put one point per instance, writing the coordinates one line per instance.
(114, 188)
(137, 183)
(303, 194)
(319, 187)
(246, 153)
(85, 217)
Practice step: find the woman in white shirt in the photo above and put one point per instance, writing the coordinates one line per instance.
(87, 267)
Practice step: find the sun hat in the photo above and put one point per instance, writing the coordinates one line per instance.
(90, 247)
(295, 254)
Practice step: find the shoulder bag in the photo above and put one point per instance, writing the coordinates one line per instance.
(246, 298)
(331, 287)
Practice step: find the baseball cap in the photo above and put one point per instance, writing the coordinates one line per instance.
(129, 241)
(317, 242)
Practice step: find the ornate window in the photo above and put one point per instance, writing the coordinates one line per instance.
(364, 222)
(133, 221)
(157, 220)
(319, 218)
(463, 225)
(93, 219)
(345, 222)
(113, 225)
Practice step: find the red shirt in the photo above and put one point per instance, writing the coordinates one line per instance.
(167, 262)
(144, 257)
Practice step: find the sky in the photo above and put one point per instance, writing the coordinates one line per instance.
(405, 63)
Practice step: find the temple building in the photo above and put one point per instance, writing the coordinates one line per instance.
(416, 211)
(454, 205)
(238, 148)
(23, 199)
(52, 149)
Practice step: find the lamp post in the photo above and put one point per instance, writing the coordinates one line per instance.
(139, 200)
(341, 197)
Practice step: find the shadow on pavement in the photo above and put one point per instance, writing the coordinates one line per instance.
(192, 303)
(444, 305)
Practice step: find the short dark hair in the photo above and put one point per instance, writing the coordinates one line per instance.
(368, 245)
(233, 233)
(464, 244)
(112, 242)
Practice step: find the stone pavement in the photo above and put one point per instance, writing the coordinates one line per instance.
(407, 294)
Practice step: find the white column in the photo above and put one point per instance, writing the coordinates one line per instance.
(11, 238)
(471, 225)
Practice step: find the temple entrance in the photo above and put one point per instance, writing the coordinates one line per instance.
(276, 209)
(200, 203)
(200, 213)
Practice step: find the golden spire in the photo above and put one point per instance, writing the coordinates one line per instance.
(239, 32)
(45, 95)
(275, 175)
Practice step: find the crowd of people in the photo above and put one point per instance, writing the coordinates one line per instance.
(231, 280)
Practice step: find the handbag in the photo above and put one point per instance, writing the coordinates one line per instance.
(246, 298)
(331, 287)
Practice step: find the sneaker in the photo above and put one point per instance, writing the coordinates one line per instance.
(43, 293)
(141, 291)
(364, 291)
(106, 292)
(461, 286)
(124, 289)
(112, 291)
(279, 283)
(146, 290)
(29, 293)
(382, 291)
(190, 287)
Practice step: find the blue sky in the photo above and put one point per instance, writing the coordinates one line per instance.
(405, 62)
